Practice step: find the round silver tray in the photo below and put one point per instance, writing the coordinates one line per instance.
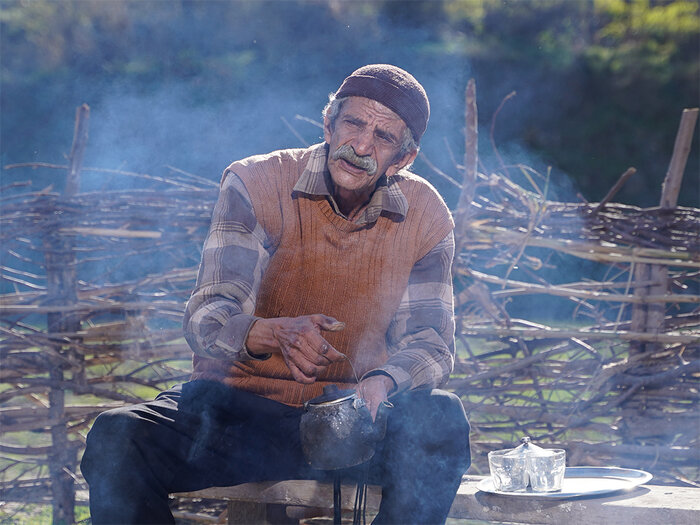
(581, 482)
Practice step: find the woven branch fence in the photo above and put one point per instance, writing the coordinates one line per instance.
(96, 284)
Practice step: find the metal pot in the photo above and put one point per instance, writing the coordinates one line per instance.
(337, 430)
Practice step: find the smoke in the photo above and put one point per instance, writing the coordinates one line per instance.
(227, 80)
(144, 133)
(226, 77)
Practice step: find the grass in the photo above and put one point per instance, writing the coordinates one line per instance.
(35, 514)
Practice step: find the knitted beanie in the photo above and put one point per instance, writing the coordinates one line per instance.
(394, 88)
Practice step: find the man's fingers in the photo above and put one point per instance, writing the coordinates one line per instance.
(305, 351)
(335, 326)
(374, 390)
(319, 351)
(373, 407)
(333, 355)
(324, 351)
(297, 372)
(292, 340)
(304, 364)
(372, 402)
(300, 377)
(327, 323)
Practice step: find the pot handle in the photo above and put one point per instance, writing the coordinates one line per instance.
(379, 425)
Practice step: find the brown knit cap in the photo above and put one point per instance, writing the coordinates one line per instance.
(394, 88)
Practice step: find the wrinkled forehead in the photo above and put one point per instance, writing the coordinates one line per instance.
(374, 113)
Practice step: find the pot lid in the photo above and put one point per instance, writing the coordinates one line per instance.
(331, 395)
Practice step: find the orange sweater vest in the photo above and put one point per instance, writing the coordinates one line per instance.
(323, 263)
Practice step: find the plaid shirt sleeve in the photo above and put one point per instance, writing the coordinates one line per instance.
(420, 338)
(219, 313)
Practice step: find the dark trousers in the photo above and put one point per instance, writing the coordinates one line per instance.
(203, 434)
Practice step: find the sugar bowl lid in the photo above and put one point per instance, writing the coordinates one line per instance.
(527, 448)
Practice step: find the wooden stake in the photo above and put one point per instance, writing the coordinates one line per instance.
(617, 187)
(471, 146)
(62, 289)
(681, 150)
(650, 318)
(471, 160)
(77, 153)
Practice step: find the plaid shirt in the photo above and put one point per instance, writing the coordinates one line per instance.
(220, 312)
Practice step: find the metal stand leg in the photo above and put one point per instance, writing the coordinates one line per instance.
(337, 502)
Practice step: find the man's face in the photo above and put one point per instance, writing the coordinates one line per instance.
(366, 129)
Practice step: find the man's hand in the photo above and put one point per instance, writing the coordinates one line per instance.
(375, 391)
(300, 342)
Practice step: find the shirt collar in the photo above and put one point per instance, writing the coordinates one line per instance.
(316, 180)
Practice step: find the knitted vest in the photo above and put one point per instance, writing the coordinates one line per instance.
(323, 263)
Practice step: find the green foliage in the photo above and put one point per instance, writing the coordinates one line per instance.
(641, 42)
(621, 71)
(623, 34)
(613, 75)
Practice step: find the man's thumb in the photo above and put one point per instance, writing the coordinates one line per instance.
(328, 323)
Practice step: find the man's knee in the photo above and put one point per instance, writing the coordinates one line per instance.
(435, 422)
(110, 434)
(433, 410)
(447, 404)
(111, 427)
(436, 419)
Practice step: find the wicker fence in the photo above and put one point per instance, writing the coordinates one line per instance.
(614, 380)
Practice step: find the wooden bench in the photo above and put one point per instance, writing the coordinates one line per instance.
(648, 504)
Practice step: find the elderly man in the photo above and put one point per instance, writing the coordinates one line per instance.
(322, 265)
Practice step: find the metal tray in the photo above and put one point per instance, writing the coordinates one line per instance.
(582, 482)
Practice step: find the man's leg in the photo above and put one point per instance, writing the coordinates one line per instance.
(203, 435)
(130, 457)
(422, 458)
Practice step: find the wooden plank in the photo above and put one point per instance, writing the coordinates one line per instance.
(648, 504)
(246, 513)
(303, 493)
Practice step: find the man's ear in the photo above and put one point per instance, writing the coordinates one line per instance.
(401, 163)
(327, 129)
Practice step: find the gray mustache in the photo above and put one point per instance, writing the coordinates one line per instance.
(346, 152)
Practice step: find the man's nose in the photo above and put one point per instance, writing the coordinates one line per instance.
(363, 143)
